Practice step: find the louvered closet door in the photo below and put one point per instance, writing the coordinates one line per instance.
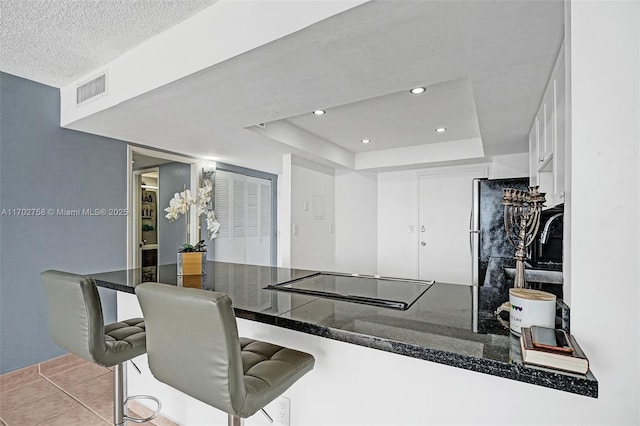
(243, 208)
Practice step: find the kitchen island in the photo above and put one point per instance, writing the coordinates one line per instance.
(437, 327)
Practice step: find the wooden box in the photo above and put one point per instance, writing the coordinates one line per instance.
(192, 263)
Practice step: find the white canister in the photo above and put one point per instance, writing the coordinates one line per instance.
(531, 307)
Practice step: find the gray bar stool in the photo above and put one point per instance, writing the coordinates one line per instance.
(193, 346)
(77, 325)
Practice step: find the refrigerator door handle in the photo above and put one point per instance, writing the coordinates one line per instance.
(471, 232)
(474, 233)
(475, 262)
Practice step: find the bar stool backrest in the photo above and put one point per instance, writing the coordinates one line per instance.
(193, 344)
(75, 314)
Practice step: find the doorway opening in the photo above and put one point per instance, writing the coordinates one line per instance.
(153, 177)
(147, 213)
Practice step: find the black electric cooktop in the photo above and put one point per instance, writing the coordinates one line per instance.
(385, 292)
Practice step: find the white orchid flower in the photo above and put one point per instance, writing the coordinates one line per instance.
(213, 226)
(181, 202)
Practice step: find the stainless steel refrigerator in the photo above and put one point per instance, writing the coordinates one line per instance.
(488, 238)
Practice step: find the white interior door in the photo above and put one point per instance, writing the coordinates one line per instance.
(243, 208)
(443, 232)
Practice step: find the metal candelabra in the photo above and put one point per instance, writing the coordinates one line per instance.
(521, 221)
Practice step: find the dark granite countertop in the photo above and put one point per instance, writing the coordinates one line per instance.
(438, 327)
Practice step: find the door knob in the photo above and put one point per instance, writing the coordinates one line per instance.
(422, 243)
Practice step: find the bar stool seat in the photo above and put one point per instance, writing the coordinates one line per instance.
(125, 340)
(77, 325)
(193, 346)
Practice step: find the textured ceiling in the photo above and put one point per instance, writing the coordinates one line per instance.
(58, 41)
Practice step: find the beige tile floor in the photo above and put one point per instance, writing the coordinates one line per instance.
(65, 391)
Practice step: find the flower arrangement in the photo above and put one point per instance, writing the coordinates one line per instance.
(180, 204)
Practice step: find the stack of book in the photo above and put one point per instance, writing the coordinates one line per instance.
(548, 347)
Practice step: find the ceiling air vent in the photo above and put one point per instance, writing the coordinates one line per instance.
(91, 90)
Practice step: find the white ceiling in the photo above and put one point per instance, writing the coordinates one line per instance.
(494, 57)
(55, 42)
(399, 119)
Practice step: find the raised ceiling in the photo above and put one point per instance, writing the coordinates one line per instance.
(398, 120)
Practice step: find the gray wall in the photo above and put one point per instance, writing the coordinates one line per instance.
(45, 166)
(171, 236)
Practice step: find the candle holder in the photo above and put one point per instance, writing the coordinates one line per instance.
(521, 222)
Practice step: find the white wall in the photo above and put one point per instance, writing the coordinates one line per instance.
(463, 149)
(284, 212)
(603, 201)
(509, 166)
(312, 216)
(345, 237)
(375, 217)
(356, 235)
(566, 232)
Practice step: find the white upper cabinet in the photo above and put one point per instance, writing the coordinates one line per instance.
(561, 119)
(533, 152)
(547, 137)
(548, 110)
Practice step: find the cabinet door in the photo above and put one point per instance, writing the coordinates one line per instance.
(547, 142)
(547, 156)
(533, 153)
(560, 117)
(243, 207)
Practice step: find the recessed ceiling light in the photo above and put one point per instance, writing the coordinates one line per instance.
(319, 112)
(441, 129)
(418, 90)
(365, 140)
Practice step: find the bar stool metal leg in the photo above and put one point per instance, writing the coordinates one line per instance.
(235, 420)
(120, 398)
(119, 393)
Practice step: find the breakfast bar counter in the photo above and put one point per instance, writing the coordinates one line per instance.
(437, 326)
